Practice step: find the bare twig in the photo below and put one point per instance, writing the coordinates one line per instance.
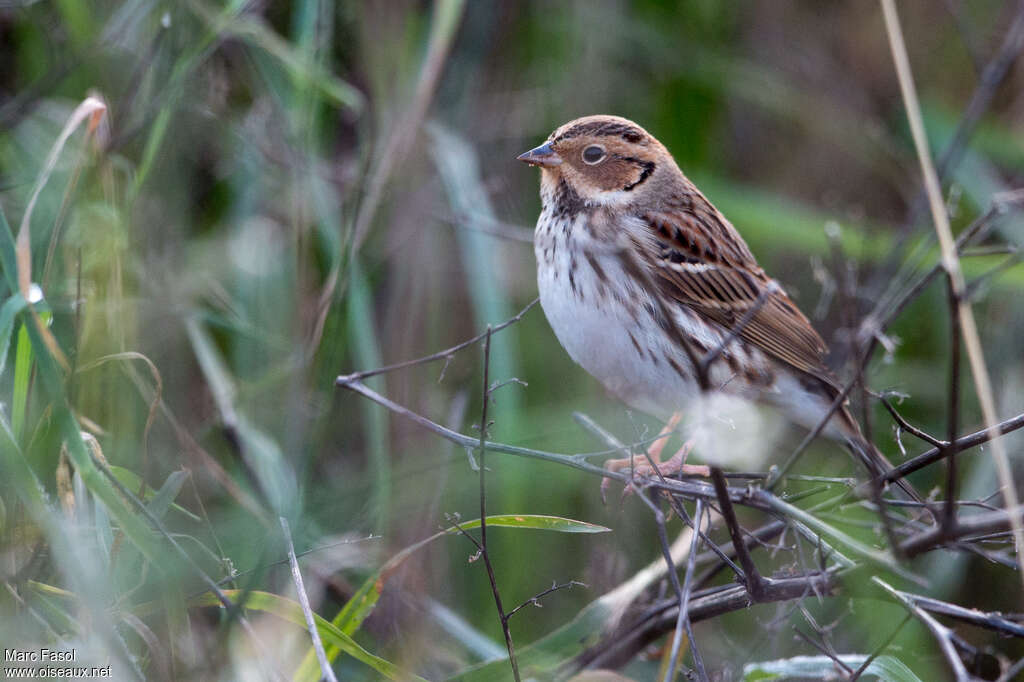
(314, 634)
(709, 603)
(482, 453)
(758, 499)
(943, 634)
(989, 621)
(826, 650)
(989, 522)
(963, 443)
(684, 607)
(734, 332)
(445, 354)
(1012, 672)
(907, 426)
(878, 650)
(659, 519)
(755, 583)
(535, 599)
(953, 407)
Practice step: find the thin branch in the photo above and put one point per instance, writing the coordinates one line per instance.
(314, 634)
(1012, 672)
(535, 599)
(827, 651)
(756, 498)
(980, 524)
(708, 604)
(953, 406)
(735, 331)
(878, 651)
(755, 583)
(684, 607)
(907, 426)
(666, 552)
(445, 354)
(482, 453)
(988, 621)
(941, 633)
(963, 443)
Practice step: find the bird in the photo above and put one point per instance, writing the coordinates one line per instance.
(643, 281)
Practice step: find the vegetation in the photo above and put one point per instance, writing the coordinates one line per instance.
(211, 210)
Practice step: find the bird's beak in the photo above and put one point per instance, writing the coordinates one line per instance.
(543, 156)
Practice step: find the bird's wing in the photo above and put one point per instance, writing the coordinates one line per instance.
(698, 259)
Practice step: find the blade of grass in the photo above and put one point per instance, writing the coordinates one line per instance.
(824, 668)
(92, 109)
(291, 611)
(251, 29)
(50, 373)
(362, 332)
(397, 140)
(8, 311)
(457, 164)
(362, 603)
(173, 90)
(22, 379)
(258, 450)
(132, 481)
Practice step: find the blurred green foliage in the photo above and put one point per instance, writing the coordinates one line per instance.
(282, 192)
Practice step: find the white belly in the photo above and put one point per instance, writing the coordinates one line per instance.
(600, 319)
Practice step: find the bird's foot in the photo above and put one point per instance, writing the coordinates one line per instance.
(647, 466)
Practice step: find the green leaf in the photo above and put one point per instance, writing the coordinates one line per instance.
(273, 472)
(289, 610)
(129, 479)
(536, 522)
(52, 381)
(22, 377)
(167, 493)
(8, 253)
(11, 307)
(823, 668)
(366, 347)
(365, 599)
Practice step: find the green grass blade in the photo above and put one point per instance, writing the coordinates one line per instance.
(365, 599)
(52, 381)
(129, 479)
(22, 377)
(362, 331)
(884, 668)
(291, 611)
(8, 312)
(167, 493)
(536, 522)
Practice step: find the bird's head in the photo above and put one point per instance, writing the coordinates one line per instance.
(605, 160)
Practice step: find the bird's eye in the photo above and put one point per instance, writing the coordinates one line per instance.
(593, 154)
